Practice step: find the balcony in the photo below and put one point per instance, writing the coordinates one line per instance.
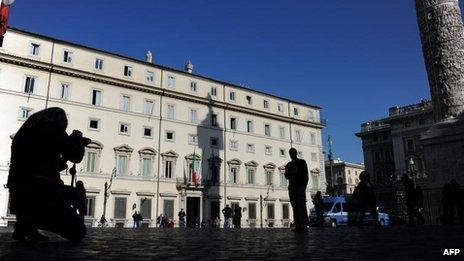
(373, 125)
(417, 107)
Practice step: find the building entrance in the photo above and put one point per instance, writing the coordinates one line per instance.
(193, 211)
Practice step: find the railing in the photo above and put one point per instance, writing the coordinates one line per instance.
(423, 105)
(373, 125)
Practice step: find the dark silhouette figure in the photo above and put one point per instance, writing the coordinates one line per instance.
(237, 216)
(456, 201)
(319, 207)
(39, 151)
(181, 216)
(81, 199)
(137, 219)
(227, 212)
(411, 200)
(365, 197)
(296, 171)
(103, 221)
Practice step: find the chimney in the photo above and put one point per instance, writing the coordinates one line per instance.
(189, 67)
(149, 57)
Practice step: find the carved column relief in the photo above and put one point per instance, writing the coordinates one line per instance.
(442, 36)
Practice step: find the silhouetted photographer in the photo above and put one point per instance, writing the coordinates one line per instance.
(39, 151)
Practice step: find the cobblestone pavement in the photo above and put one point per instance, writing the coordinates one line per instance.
(393, 243)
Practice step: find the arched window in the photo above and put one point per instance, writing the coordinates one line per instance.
(169, 164)
(123, 154)
(234, 170)
(269, 173)
(147, 157)
(251, 167)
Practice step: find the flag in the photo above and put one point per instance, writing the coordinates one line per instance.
(4, 13)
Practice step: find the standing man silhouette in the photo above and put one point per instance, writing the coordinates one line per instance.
(296, 171)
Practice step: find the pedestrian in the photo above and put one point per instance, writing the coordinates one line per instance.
(103, 221)
(181, 216)
(446, 201)
(237, 216)
(296, 171)
(227, 212)
(165, 221)
(365, 197)
(135, 217)
(159, 220)
(139, 219)
(456, 201)
(411, 200)
(319, 207)
(216, 222)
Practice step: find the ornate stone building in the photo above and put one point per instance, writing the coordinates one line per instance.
(163, 138)
(342, 177)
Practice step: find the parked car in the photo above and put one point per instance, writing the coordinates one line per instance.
(340, 211)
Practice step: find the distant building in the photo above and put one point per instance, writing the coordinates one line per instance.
(344, 178)
(391, 149)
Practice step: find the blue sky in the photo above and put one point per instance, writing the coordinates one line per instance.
(353, 58)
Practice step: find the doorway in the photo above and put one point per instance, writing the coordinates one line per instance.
(215, 210)
(193, 211)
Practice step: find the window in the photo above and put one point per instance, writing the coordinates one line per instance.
(282, 152)
(280, 107)
(122, 164)
(249, 126)
(171, 81)
(96, 97)
(313, 156)
(192, 139)
(94, 124)
(150, 76)
(64, 91)
(193, 87)
(267, 129)
(315, 182)
(270, 210)
(168, 208)
(283, 180)
(268, 150)
(120, 204)
(214, 122)
(90, 203)
(285, 211)
(148, 132)
(98, 64)
(251, 210)
(250, 148)
(169, 136)
(124, 128)
(298, 135)
(148, 107)
(310, 116)
(145, 168)
(269, 177)
(24, 113)
(266, 104)
(168, 169)
(233, 145)
(145, 208)
(248, 99)
(128, 71)
(214, 142)
(125, 103)
(313, 139)
(34, 49)
(232, 96)
(67, 57)
(213, 91)
(29, 85)
(233, 175)
(282, 132)
(193, 116)
(250, 175)
(91, 161)
(233, 123)
(295, 111)
(170, 111)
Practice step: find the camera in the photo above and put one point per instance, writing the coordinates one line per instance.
(77, 137)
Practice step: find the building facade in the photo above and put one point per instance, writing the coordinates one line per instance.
(163, 139)
(391, 148)
(342, 177)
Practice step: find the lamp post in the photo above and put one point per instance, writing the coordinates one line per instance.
(107, 188)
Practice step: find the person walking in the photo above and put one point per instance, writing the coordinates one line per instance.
(237, 216)
(181, 216)
(365, 197)
(319, 207)
(411, 200)
(227, 212)
(135, 218)
(296, 172)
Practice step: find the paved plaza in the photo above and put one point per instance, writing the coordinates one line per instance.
(393, 243)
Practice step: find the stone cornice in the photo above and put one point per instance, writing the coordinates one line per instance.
(58, 69)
